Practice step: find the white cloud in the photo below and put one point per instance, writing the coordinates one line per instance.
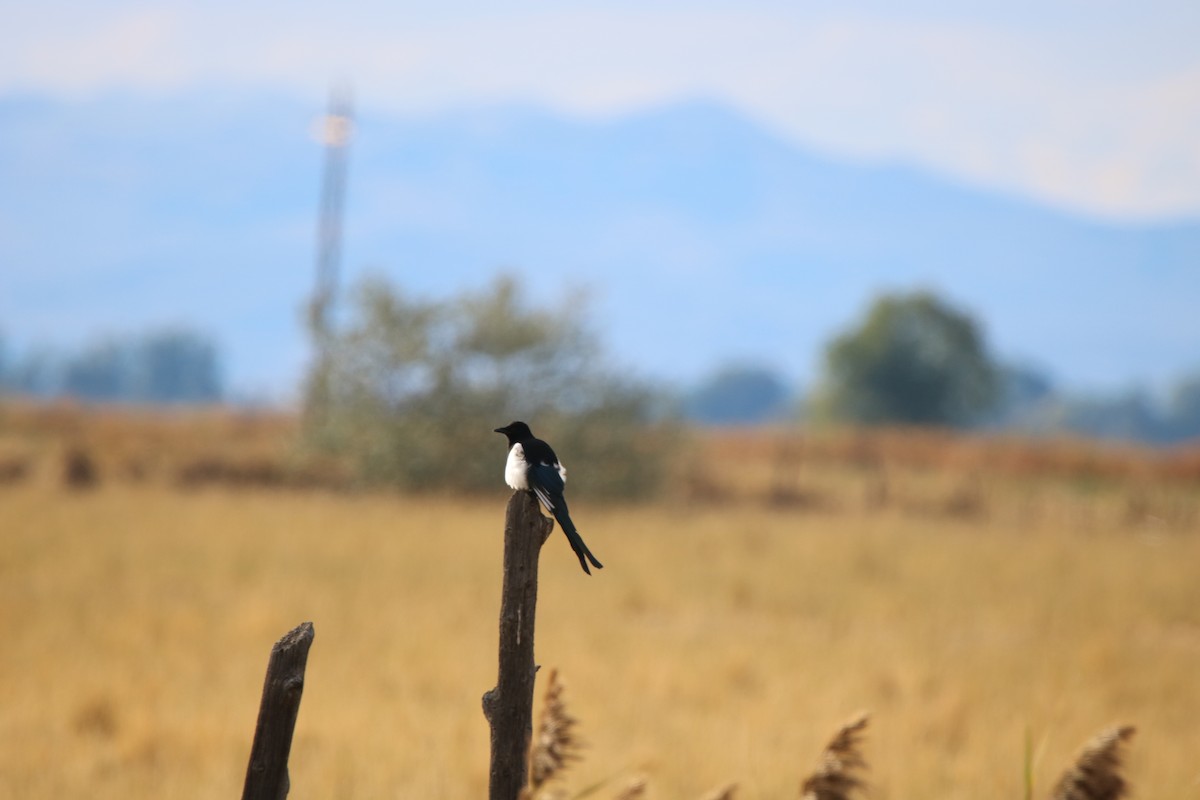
(1076, 119)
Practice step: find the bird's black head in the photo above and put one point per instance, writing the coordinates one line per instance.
(516, 432)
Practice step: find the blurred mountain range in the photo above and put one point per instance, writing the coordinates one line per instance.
(699, 236)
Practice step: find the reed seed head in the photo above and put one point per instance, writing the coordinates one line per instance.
(555, 744)
(1096, 773)
(839, 769)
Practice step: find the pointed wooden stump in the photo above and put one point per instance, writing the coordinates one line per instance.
(267, 774)
(509, 706)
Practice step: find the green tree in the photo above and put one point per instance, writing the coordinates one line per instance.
(914, 360)
(411, 389)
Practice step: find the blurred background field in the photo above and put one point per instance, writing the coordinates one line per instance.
(867, 332)
(967, 591)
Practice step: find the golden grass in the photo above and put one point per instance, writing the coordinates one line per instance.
(718, 645)
(928, 472)
(634, 789)
(965, 603)
(724, 793)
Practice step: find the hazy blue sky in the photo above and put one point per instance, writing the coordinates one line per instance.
(1092, 105)
(155, 168)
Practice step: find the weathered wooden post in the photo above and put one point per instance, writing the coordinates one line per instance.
(267, 774)
(509, 706)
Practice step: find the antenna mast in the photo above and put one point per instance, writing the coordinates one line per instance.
(334, 132)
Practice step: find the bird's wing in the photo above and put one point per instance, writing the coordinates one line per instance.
(546, 482)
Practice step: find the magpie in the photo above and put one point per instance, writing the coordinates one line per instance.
(533, 467)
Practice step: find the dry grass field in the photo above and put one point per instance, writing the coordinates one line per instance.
(966, 605)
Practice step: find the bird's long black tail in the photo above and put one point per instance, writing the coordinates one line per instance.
(564, 521)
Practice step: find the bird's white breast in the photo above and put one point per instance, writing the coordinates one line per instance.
(516, 470)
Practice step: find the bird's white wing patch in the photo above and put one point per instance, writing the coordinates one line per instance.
(516, 470)
(545, 498)
(562, 472)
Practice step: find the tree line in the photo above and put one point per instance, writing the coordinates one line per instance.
(914, 359)
(399, 388)
(169, 365)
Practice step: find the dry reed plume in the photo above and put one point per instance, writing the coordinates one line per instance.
(839, 769)
(555, 744)
(1096, 773)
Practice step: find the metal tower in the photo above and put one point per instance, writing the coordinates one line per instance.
(334, 132)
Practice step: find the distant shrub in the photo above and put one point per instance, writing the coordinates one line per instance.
(78, 469)
(411, 390)
(14, 469)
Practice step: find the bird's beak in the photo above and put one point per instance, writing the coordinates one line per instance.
(500, 430)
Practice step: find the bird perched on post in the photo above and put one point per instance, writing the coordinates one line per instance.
(533, 467)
